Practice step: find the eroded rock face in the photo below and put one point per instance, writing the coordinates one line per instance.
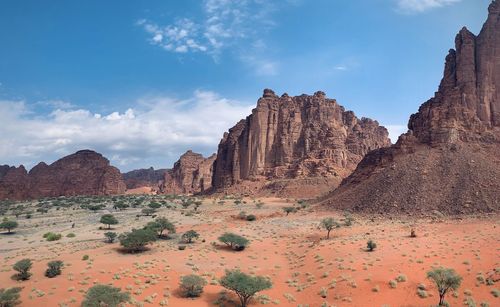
(295, 137)
(449, 159)
(82, 173)
(191, 174)
(146, 177)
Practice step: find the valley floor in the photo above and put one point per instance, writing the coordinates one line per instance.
(291, 250)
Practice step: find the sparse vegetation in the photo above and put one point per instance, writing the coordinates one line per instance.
(104, 295)
(234, 241)
(54, 268)
(8, 225)
(289, 210)
(137, 239)
(110, 236)
(445, 280)
(329, 224)
(192, 285)
(160, 225)
(108, 219)
(189, 236)
(245, 286)
(371, 245)
(10, 297)
(23, 268)
(50, 236)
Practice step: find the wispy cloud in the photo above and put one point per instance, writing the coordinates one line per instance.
(154, 127)
(419, 6)
(222, 24)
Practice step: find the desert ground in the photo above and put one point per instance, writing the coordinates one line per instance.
(306, 269)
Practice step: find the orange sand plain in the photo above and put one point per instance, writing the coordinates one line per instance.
(291, 250)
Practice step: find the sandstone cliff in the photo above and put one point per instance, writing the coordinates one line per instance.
(191, 174)
(449, 159)
(296, 138)
(82, 173)
(146, 177)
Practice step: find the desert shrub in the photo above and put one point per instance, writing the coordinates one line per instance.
(54, 268)
(23, 268)
(189, 235)
(160, 225)
(245, 286)
(371, 245)
(110, 236)
(192, 285)
(251, 217)
(242, 215)
(445, 279)
(154, 205)
(148, 211)
(137, 239)
(234, 241)
(8, 224)
(94, 207)
(181, 247)
(108, 219)
(70, 235)
(289, 210)
(10, 297)
(50, 236)
(328, 224)
(85, 257)
(104, 295)
(393, 284)
(348, 219)
(413, 233)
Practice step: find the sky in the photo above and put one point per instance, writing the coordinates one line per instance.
(144, 81)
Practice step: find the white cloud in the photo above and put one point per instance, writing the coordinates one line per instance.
(419, 6)
(395, 131)
(154, 132)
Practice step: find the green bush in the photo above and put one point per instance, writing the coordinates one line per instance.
(445, 279)
(189, 235)
(137, 239)
(289, 210)
(23, 268)
(234, 241)
(160, 225)
(192, 285)
(251, 217)
(108, 219)
(70, 235)
(328, 224)
(245, 286)
(9, 225)
(371, 245)
(85, 257)
(110, 236)
(50, 236)
(10, 297)
(54, 268)
(104, 295)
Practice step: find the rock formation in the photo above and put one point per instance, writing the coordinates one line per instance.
(82, 173)
(298, 138)
(191, 174)
(146, 177)
(449, 160)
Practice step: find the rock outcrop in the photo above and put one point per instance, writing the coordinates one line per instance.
(146, 177)
(300, 137)
(82, 173)
(449, 159)
(191, 174)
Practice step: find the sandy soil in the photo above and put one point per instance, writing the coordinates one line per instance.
(291, 250)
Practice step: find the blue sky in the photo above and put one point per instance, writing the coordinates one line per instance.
(143, 81)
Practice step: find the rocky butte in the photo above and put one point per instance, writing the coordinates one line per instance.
(145, 177)
(191, 174)
(82, 173)
(449, 160)
(294, 146)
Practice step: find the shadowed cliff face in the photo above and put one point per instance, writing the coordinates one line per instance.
(449, 159)
(147, 177)
(295, 137)
(82, 173)
(191, 174)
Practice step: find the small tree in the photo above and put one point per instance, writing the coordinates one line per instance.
(9, 225)
(189, 235)
(445, 279)
(148, 211)
(348, 219)
(104, 295)
(54, 268)
(192, 285)
(234, 241)
(10, 297)
(371, 245)
(328, 224)
(160, 225)
(154, 205)
(137, 239)
(110, 236)
(109, 219)
(245, 286)
(289, 210)
(23, 267)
